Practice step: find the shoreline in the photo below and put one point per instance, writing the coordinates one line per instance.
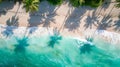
(111, 37)
(76, 22)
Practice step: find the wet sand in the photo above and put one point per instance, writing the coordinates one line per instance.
(70, 21)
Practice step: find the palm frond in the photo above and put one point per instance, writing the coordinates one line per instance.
(31, 5)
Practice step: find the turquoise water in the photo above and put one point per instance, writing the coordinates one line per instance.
(37, 52)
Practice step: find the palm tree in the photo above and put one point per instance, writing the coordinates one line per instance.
(0, 1)
(55, 2)
(118, 3)
(77, 3)
(81, 1)
(31, 5)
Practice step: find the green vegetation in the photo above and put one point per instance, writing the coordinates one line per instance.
(55, 2)
(92, 3)
(77, 3)
(31, 5)
(0, 1)
(118, 3)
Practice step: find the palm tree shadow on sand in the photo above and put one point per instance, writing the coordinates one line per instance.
(91, 21)
(104, 6)
(12, 24)
(73, 20)
(94, 19)
(5, 6)
(105, 23)
(117, 25)
(43, 17)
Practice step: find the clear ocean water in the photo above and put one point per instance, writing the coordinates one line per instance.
(45, 51)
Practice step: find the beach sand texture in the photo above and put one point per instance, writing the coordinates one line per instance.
(70, 21)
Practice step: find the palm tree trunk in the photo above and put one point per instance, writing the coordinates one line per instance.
(16, 14)
(62, 26)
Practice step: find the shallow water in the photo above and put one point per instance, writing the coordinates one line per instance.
(35, 52)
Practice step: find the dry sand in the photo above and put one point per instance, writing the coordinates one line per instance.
(70, 21)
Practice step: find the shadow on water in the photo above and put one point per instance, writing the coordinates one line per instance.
(67, 55)
(12, 24)
(101, 56)
(87, 47)
(43, 17)
(55, 38)
(22, 44)
(89, 39)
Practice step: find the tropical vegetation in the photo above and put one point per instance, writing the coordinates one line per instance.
(33, 5)
(118, 3)
(0, 1)
(55, 2)
(92, 3)
(77, 3)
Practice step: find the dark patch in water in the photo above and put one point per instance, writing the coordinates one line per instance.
(86, 48)
(54, 40)
(22, 44)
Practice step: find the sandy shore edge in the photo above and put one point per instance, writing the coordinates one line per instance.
(40, 31)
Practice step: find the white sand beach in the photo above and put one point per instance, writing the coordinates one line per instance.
(70, 21)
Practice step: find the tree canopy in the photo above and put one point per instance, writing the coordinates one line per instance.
(32, 5)
(0, 1)
(118, 3)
